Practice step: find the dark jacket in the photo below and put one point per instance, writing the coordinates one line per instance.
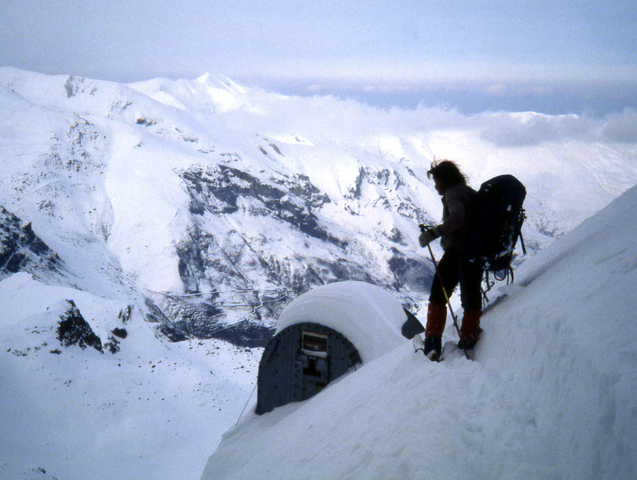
(456, 205)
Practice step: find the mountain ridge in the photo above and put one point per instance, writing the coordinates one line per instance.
(191, 219)
(176, 190)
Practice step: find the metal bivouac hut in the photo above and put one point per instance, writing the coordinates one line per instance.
(323, 334)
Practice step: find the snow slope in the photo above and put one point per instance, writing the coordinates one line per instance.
(153, 410)
(552, 393)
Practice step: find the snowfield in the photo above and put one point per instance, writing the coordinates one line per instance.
(154, 409)
(197, 210)
(551, 393)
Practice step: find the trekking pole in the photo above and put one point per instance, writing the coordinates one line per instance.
(444, 290)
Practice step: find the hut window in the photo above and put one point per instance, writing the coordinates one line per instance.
(314, 344)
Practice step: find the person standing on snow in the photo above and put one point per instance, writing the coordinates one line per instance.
(454, 267)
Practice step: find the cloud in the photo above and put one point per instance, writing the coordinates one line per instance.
(531, 129)
(352, 121)
(492, 42)
(621, 127)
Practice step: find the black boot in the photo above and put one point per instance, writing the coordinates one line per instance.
(433, 348)
(469, 343)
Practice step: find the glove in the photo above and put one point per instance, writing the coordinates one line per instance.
(428, 235)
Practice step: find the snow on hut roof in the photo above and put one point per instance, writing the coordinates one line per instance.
(367, 315)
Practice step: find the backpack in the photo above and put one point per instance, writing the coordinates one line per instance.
(495, 223)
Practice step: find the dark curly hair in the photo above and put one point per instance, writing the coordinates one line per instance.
(447, 173)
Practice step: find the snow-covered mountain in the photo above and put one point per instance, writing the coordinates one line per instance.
(186, 214)
(138, 407)
(552, 392)
(219, 204)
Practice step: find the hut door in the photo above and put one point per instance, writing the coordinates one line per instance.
(314, 361)
(299, 361)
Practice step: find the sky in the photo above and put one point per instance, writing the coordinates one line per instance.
(375, 47)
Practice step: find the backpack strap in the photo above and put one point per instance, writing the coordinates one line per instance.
(522, 218)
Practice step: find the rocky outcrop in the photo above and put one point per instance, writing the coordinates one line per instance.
(230, 274)
(22, 250)
(74, 330)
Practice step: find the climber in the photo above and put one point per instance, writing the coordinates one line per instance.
(453, 268)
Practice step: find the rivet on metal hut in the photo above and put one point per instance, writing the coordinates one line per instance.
(323, 334)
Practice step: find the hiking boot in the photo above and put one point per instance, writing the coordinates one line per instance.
(470, 330)
(433, 348)
(469, 343)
